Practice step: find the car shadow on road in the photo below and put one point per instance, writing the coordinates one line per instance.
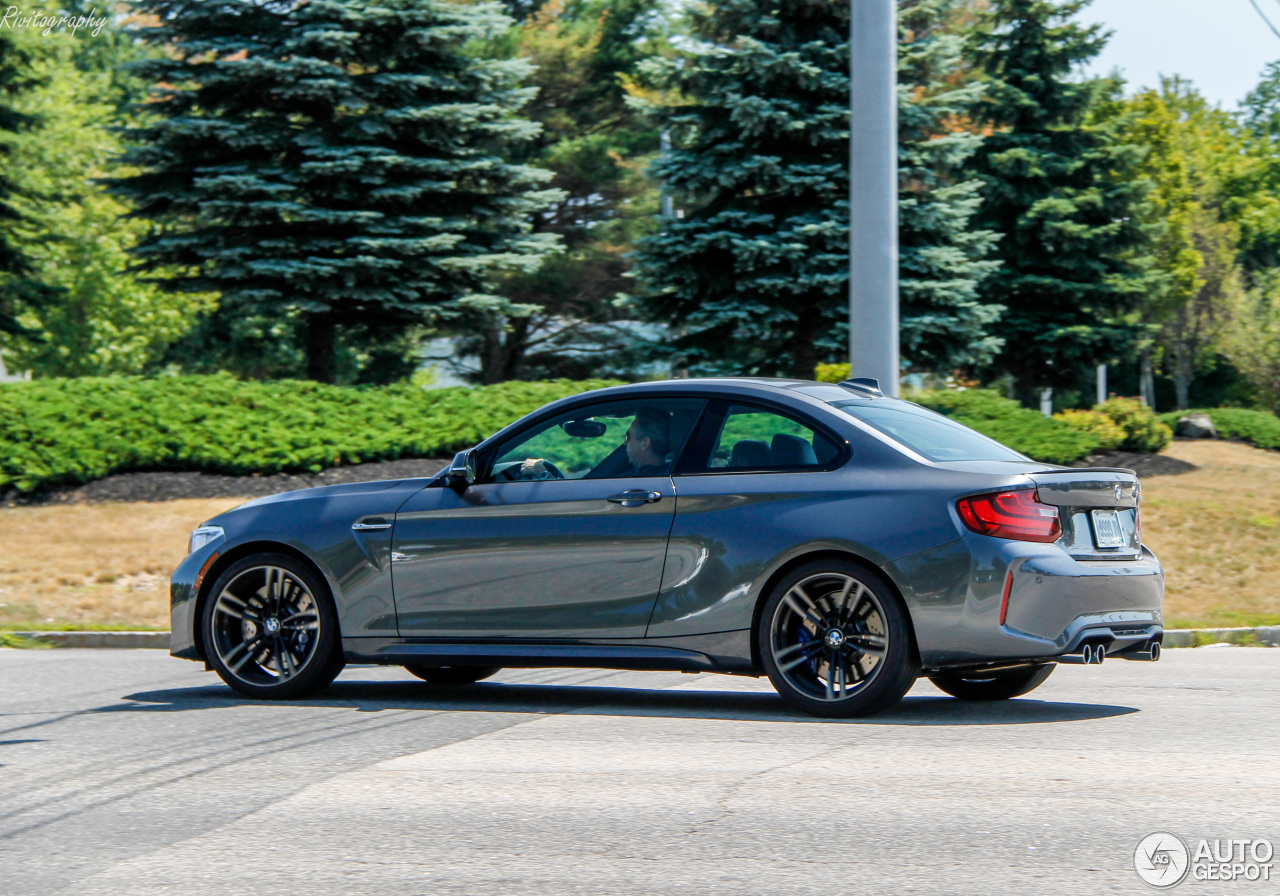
(550, 699)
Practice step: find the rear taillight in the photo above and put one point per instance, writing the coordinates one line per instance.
(1015, 514)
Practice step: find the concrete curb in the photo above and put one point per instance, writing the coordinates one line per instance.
(99, 639)
(1262, 636)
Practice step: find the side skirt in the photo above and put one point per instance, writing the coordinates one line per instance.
(725, 652)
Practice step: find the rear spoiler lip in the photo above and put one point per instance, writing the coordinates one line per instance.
(1084, 470)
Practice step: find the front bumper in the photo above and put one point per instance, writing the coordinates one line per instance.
(183, 591)
(1056, 603)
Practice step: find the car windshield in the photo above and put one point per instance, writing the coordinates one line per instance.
(925, 432)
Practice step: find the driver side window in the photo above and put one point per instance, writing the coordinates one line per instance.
(605, 441)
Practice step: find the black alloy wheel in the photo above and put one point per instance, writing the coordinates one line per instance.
(453, 674)
(270, 630)
(1002, 685)
(836, 642)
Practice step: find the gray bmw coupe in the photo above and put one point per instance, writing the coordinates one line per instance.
(840, 542)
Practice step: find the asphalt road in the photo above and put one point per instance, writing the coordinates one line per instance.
(127, 772)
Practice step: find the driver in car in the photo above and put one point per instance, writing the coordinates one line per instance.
(648, 442)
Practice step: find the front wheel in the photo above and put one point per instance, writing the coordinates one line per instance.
(836, 641)
(1001, 686)
(453, 674)
(270, 630)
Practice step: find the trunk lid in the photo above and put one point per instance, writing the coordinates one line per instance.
(1098, 507)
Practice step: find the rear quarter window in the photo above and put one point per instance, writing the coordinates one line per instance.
(925, 432)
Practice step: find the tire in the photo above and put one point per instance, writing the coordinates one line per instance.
(1004, 686)
(835, 640)
(270, 630)
(453, 674)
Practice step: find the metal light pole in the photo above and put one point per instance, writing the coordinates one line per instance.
(873, 192)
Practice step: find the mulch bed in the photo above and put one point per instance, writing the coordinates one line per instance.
(169, 486)
(1143, 464)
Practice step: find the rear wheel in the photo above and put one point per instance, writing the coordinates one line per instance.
(453, 674)
(270, 630)
(995, 686)
(836, 642)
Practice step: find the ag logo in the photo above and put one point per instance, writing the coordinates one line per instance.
(1161, 860)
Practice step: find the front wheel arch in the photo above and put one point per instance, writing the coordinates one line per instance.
(785, 569)
(239, 552)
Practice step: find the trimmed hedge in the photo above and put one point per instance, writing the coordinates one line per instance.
(1261, 428)
(65, 431)
(61, 431)
(1006, 421)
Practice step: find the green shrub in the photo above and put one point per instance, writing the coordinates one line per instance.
(62, 431)
(832, 373)
(1110, 434)
(1143, 430)
(1029, 432)
(1261, 428)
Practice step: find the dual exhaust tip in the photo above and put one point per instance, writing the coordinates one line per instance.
(1151, 654)
(1093, 654)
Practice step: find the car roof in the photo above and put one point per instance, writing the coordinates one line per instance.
(810, 396)
(712, 383)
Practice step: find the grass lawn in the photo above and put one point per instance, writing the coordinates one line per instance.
(1217, 532)
(103, 566)
(99, 566)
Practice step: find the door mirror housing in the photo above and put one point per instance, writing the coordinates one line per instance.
(462, 472)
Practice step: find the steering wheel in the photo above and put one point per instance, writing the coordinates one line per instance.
(552, 470)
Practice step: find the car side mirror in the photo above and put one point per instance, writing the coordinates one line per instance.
(462, 472)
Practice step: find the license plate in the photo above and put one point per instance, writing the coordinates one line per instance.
(1106, 529)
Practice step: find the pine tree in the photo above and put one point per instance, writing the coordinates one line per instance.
(593, 140)
(755, 274)
(943, 256)
(337, 161)
(19, 285)
(755, 271)
(1061, 192)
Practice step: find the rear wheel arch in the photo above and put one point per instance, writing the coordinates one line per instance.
(824, 554)
(239, 552)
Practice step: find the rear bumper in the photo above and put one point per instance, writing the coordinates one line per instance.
(1055, 602)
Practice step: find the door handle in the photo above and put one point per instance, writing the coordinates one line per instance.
(370, 524)
(634, 497)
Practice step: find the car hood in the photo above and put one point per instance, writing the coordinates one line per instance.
(324, 491)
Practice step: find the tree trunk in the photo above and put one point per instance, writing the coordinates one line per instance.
(322, 333)
(804, 354)
(514, 348)
(502, 352)
(1147, 378)
(491, 357)
(1182, 373)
